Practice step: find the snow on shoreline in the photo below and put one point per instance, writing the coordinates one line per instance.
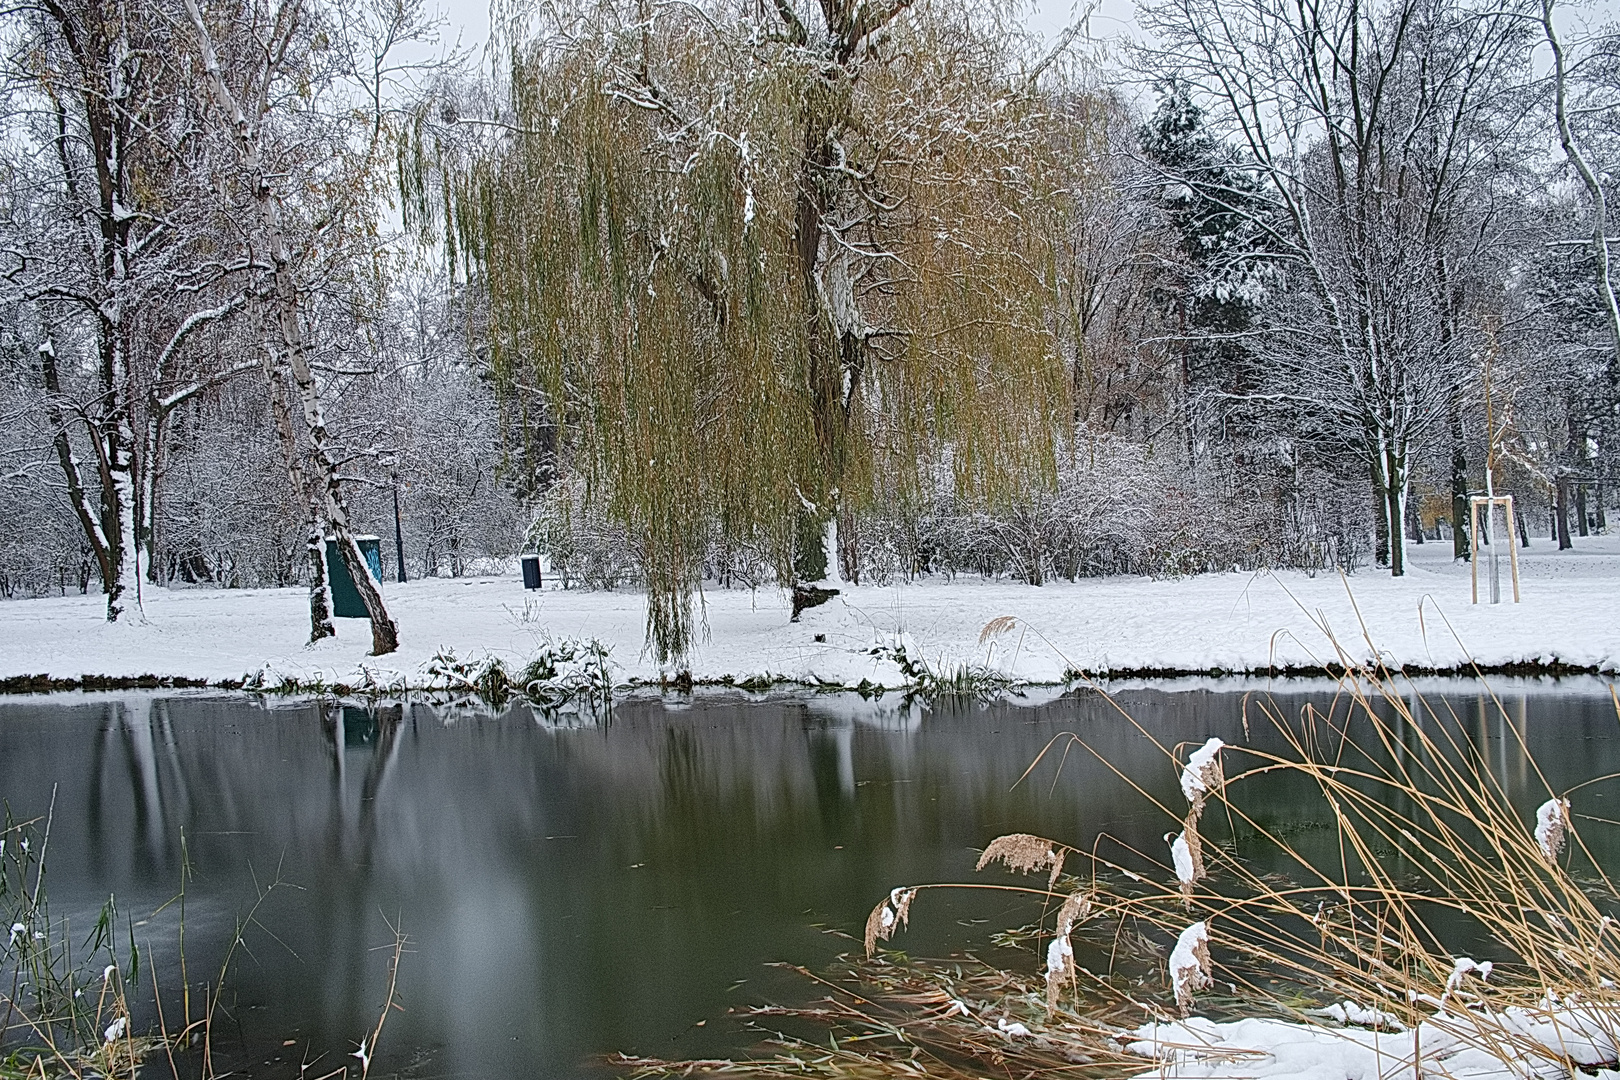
(1513, 1044)
(1230, 622)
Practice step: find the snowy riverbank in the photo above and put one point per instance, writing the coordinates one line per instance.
(1214, 622)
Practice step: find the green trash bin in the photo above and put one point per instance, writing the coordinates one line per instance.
(346, 602)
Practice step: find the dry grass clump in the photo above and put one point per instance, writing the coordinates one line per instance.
(893, 913)
(956, 1020)
(71, 1012)
(1431, 862)
(66, 1015)
(1024, 853)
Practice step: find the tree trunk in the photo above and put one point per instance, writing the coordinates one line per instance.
(124, 597)
(1459, 487)
(1381, 531)
(324, 482)
(320, 578)
(320, 586)
(849, 547)
(155, 418)
(1561, 515)
(399, 537)
(1580, 508)
(1397, 475)
(1576, 457)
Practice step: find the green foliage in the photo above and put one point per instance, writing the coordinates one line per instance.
(69, 1005)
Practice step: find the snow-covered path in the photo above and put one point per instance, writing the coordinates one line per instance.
(1229, 622)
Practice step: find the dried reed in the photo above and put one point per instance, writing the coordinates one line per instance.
(1367, 940)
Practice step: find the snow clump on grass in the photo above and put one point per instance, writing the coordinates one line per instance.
(1189, 964)
(1202, 774)
(1060, 967)
(1552, 828)
(893, 913)
(1185, 855)
(1462, 966)
(1348, 1012)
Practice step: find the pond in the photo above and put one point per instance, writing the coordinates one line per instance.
(571, 890)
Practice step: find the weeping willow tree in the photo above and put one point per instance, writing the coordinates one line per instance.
(768, 265)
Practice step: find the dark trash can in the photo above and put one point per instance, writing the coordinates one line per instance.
(531, 572)
(346, 602)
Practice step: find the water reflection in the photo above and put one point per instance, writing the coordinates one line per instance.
(574, 887)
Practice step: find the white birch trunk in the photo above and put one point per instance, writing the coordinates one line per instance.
(1594, 187)
(829, 546)
(324, 483)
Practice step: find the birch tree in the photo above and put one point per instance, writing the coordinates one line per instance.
(299, 92)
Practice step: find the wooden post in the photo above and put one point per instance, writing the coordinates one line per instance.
(1513, 549)
(1490, 502)
(1473, 544)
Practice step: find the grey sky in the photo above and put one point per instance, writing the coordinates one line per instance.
(1049, 17)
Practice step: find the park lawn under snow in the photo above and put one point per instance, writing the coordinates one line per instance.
(1229, 622)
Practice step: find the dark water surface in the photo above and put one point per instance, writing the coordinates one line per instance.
(574, 890)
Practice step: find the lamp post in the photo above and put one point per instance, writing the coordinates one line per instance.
(399, 533)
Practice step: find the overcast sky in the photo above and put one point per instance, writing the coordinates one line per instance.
(1048, 17)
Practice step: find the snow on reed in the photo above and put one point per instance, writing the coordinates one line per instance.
(1189, 964)
(1552, 826)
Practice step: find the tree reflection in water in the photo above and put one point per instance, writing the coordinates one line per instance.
(574, 887)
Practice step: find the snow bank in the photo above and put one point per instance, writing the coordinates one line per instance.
(1510, 1045)
(1214, 622)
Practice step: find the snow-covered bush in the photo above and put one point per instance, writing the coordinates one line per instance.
(565, 673)
(587, 548)
(1118, 508)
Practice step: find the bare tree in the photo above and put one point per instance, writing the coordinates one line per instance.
(290, 108)
(112, 247)
(1595, 107)
(1373, 131)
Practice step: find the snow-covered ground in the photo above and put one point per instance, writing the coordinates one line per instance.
(1227, 622)
(1513, 1044)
